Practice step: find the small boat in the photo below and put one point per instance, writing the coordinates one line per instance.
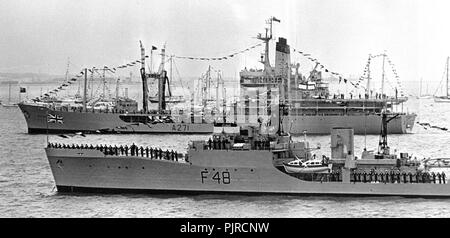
(442, 99)
(310, 166)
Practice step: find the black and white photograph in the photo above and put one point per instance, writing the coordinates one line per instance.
(224, 109)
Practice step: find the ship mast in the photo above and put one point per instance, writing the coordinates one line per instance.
(117, 90)
(218, 82)
(162, 79)
(67, 75)
(85, 90)
(144, 81)
(266, 39)
(382, 75)
(368, 77)
(383, 144)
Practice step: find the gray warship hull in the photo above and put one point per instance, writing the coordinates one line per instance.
(70, 121)
(81, 170)
(36, 118)
(369, 124)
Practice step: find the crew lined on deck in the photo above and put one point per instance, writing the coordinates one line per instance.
(133, 150)
(225, 144)
(397, 177)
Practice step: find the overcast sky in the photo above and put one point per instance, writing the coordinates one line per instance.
(39, 36)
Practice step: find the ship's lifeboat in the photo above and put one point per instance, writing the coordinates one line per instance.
(310, 166)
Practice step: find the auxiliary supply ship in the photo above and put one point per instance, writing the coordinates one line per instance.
(313, 109)
(247, 162)
(119, 116)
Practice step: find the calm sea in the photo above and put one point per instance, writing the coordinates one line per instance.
(27, 188)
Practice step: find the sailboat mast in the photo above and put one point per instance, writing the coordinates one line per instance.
(9, 94)
(420, 89)
(447, 77)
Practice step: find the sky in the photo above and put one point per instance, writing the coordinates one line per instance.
(40, 36)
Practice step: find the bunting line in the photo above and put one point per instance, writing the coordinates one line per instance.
(218, 58)
(314, 60)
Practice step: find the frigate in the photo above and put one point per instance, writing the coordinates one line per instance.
(248, 162)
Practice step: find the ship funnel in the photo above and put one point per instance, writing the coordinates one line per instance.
(342, 143)
(282, 57)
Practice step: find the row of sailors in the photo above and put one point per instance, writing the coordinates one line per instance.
(365, 96)
(390, 177)
(133, 150)
(397, 177)
(219, 144)
(225, 144)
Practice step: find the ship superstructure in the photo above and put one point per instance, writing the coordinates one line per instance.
(312, 107)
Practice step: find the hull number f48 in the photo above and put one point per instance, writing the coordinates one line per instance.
(218, 177)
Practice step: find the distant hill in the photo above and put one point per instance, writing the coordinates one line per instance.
(30, 77)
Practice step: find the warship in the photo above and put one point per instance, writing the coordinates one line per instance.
(119, 116)
(248, 162)
(312, 107)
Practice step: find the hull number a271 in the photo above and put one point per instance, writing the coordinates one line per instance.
(180, 127)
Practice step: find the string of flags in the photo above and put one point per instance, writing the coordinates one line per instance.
(397, 78)
(394, 71)
(322, 67)
(92, 70)
(365, 75)
(62, 86)
(136, 63)
(219, 58)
